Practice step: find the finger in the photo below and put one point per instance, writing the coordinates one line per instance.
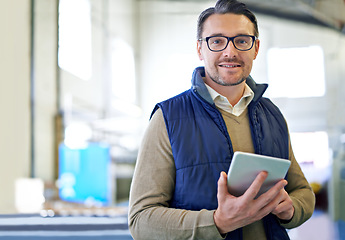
(254, 188)
(280, 185)
(222, 186)
(284, 211)
(273, 196)
(271, 201)
(281, 208)
(285, 203)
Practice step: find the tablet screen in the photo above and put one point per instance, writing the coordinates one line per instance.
(245, 167)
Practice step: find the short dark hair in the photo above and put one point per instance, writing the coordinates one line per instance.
(223, 7)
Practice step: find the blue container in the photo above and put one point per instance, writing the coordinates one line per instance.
(84, 174)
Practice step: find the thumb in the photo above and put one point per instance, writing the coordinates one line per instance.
(222, 187)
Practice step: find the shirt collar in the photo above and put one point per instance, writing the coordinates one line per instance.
(224, 104)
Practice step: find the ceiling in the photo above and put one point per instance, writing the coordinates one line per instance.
(330, 13)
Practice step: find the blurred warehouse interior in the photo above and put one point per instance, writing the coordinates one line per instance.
(80, 78)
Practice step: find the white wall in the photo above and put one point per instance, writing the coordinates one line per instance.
(111, 20)
(15, 138)
(167, 48)
(306, 114)
(45, 87)
(14, 97)
(80, 96)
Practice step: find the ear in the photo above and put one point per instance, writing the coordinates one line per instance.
(198, 48)
(257, 46)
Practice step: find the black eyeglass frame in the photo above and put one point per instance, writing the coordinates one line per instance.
(254, 38)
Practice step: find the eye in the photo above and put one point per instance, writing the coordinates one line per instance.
(217, 40)
(242, 40)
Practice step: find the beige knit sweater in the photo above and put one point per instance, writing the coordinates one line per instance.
(154, 179)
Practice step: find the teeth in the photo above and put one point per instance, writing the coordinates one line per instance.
(229, 66)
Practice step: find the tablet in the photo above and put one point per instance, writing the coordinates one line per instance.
(245, 167)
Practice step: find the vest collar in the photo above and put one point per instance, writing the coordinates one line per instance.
(199, 86)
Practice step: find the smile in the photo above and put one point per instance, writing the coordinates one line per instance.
(230, 65)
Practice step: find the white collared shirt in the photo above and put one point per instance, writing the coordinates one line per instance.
(223, 103)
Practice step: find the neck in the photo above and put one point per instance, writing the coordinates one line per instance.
(232, 93)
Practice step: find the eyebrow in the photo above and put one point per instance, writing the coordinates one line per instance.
(216, 35)
(221, 34)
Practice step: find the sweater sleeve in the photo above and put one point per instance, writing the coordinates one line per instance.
(152, 188)
(300, 192)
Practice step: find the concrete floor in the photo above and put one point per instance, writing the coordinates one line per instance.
(319, 227)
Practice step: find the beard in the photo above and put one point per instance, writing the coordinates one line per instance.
(215, 76)
(220, 81)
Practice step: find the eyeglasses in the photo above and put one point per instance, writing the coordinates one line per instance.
(219, 43)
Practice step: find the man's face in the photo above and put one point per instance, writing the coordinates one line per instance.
(230, 66)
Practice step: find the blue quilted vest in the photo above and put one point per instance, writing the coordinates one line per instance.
(202, 148)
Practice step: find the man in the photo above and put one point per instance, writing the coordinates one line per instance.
(179, 189)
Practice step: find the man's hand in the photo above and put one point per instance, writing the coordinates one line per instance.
(285, 209)
(235, 212)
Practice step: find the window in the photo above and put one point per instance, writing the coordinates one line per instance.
(296, 72)
(123, 71)
(311, 147)
(74, 54)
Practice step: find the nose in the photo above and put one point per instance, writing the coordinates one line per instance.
(230, 50)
